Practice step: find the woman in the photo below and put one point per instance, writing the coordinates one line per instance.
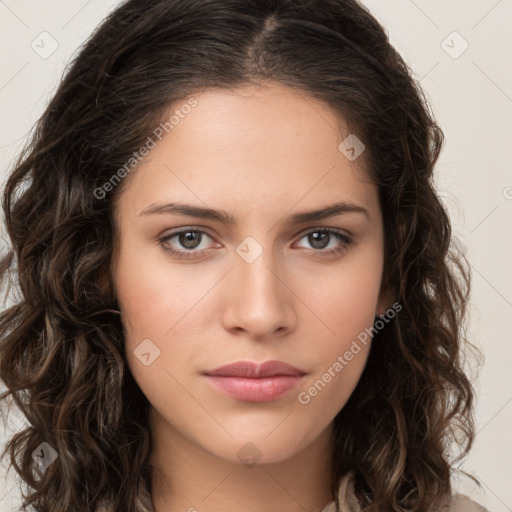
(238, 289)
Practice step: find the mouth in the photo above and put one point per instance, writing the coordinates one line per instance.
(253, 382)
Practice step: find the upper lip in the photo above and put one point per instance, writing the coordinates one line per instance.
(255, 370)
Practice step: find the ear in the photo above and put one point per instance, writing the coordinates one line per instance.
(105, 283)
(385, 301)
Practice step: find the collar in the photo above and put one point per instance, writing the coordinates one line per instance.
(346, 496)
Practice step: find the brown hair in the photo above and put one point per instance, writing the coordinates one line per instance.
(61, 342)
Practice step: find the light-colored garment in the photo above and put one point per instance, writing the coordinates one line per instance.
(348, 501)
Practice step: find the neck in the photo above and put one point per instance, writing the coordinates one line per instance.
(189, 478)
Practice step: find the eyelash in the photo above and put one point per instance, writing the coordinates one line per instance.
(346, 241)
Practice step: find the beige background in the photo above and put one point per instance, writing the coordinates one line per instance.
(471, 95)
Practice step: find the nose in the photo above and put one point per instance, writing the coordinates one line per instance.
(258, 301)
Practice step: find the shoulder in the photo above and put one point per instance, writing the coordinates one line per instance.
(461, 503)
(450, 503)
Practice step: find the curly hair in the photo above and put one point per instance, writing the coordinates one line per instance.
(62, 354)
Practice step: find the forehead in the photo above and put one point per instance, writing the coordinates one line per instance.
(254, 145)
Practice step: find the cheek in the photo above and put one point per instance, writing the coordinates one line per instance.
(338, 359)
(163, 307)
(344, 298)
(153, 301)
(345, 302)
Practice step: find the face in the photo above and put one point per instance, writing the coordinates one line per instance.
(197, 292)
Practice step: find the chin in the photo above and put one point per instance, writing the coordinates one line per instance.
(249, 449)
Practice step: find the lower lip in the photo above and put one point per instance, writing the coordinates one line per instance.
(263, 389)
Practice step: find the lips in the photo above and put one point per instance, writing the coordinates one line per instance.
(255, 371)
(251, 382)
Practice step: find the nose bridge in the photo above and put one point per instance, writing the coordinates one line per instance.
(255, 272)
(258, 299)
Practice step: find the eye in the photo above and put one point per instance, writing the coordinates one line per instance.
(190, 239)
(189, 242)
(320, 238)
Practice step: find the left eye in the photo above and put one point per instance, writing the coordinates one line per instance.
(317, 238)
(191, 239)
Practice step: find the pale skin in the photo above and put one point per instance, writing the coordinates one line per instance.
(262, 154)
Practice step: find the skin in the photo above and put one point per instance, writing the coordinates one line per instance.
(261, 153)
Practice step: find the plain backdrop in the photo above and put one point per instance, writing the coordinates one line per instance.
(460, 52)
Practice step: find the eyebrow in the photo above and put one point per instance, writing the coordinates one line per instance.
(342, 207)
